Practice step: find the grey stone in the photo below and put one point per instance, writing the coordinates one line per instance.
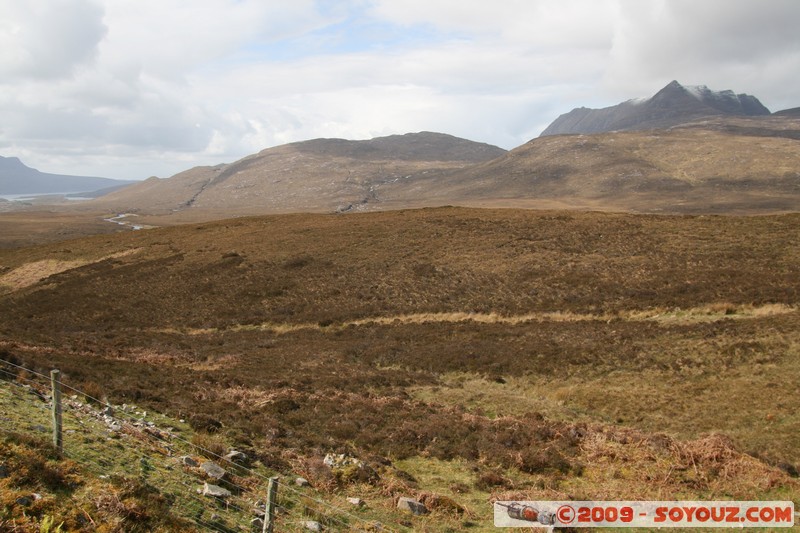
(358, 502)
(411, 505)
(311, 525)
(236, 456)
(24, 501)
(108, 411)
(38, 427)
(215, 491)
(340, 460)
(301, 482)
(213, 470)
(188, 461)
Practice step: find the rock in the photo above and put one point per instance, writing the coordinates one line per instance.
(188, 461)
(24, 501)
(38, 427)
(213, 470)
(235, 456)
(215, 491)
(4, 471)
(358, 502)
(339, 460)
(348, 469)
(108, 411)
(411, 505)
(311, 525)
(115, 427)
(301, 482)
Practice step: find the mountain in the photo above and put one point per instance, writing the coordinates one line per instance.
(714, 165)
(717, 164)
(674, 104)
(17, 178)
(793, 112)
(315, 175)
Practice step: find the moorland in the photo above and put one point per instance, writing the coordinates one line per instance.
(476, 353)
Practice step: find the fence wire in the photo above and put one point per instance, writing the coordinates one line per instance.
(111, 442)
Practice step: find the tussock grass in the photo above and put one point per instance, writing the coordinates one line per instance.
(31, 273)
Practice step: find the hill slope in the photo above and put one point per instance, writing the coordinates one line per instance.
(713, 165)
(485, 353)
(672, 105)
(717, 165)
(316, 175)
(17, 178)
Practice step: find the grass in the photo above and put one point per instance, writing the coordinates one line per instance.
(583, 354)
(129, 480)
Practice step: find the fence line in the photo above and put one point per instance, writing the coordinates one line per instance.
(176, 440)
(190, 495)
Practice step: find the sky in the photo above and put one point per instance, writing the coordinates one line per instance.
(134, 88)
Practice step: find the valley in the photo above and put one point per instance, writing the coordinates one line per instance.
(485, 353)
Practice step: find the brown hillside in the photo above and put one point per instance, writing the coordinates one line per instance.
(716, 165)
(317, 175)
(646, 320)
(722, 165)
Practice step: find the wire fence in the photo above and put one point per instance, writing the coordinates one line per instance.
(211, 491)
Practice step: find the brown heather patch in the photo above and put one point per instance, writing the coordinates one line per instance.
(581, 354)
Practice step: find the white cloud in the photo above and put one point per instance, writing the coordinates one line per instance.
(728, 44)
(130, 88)
(65, 35)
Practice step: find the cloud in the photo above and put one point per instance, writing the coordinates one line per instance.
(736, 44)
(65, 35)
(134, 88)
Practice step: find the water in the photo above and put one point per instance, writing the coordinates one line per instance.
(34, 196)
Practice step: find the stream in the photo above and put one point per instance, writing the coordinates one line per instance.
(120, 219)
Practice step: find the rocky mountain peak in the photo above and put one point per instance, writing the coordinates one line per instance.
(672, 105)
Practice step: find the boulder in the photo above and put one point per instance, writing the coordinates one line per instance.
(311, 525)
(188, 461)
(236, 456)
(215, 491)
(24, 501)
(213, 470)
(301, 482)
(347, 469)
(411, 505)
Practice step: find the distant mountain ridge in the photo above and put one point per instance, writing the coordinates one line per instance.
(673, 105)
(314, 175)
(18, 178)
(422, 146)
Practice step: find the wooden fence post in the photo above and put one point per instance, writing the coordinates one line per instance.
(269, 511)
(55, 383)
